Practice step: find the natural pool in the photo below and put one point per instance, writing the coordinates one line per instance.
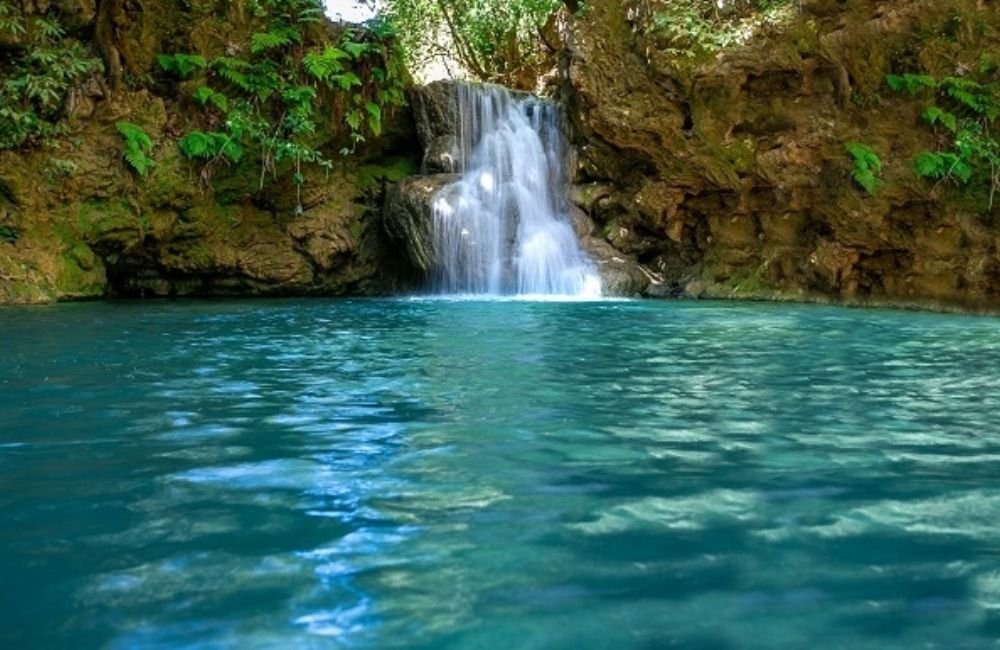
(435, 474)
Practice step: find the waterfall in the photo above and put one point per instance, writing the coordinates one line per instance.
(503, 228)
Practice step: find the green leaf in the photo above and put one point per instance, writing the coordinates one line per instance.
(910, 83)
(275, 38)
(347, 80)
(356, 50)
(936, 115)
(182, 65)
(202, 95)
(138, 144)
(197, 145)
(867, 165)
(929, 165)
(133, 133)
(324, 65)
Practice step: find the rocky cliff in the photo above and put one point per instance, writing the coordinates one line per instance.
(727, 173)
(76, 222)
(723, 173)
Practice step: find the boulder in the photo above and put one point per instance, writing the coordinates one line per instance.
(435, 111)
(408, 216)
(620, 275)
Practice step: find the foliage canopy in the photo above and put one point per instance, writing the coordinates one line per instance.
(501, 41)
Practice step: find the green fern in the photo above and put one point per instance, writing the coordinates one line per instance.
(911, 83)
(867, 166)
(936, 115)
(138, 146)
(271, 94)
(347, 80)
(182, 65)
(208, 146)
(356, 50)
(942, 165)
(205, 95)
(323, 65)
(273, 39)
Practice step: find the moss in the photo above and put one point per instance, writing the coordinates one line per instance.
(357, 229)
(172, 182)
(750, 282)
(97, 220)
(80, 274)
(393, 170)
(741, 155)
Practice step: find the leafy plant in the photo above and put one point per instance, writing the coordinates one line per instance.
(930, 164)
(500, 41)
(693, 27)
(867, 166)
(138, 146)
(966, 110)
(209, 146)
(36, 78)
(910, 83)
(182, 65)
(9, 234)
(267, 101)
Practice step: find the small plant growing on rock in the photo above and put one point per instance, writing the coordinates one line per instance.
(9, 234)
(964, 111)
(867, 167)
(264, 98)
(138, 146)
(36, 76)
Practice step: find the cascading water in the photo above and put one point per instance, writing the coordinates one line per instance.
(503, 228)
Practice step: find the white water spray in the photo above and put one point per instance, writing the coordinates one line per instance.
(503, 228)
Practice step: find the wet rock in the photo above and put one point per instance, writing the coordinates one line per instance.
(443, 156)
(435, 112)
(583, 225)
(408, 216)
(620, 275)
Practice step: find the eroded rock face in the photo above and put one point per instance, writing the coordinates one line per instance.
(729, 174)
(85, 235)
(76, 222)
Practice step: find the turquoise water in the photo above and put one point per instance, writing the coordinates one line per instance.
(429, 474)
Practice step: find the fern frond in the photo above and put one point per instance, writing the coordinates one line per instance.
(273, 39)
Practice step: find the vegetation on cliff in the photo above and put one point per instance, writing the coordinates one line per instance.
(42, 66)
(204, 102)
(266, 100)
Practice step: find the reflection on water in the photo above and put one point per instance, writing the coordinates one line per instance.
(457, 474)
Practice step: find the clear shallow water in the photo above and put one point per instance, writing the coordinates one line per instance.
(436, 474)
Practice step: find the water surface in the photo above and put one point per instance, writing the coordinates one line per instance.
(435, 474)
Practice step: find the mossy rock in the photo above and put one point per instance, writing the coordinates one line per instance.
(80, 275)
(172, 183)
